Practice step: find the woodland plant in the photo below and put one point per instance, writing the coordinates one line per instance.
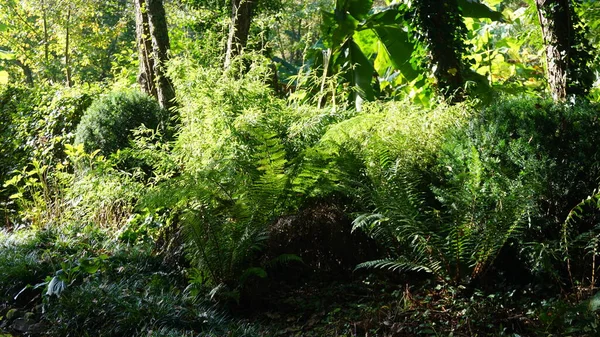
(240, 173)
(505, 176)
(108, 123)
(36, 124)
(551, 146)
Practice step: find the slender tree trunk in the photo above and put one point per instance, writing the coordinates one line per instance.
(239, 28)
(146, 78)
(153, 51)
(443, 31)
(26, 71)
(67, 56)
(45, 24)
(568, 51)
(556, 26)
(157, 22)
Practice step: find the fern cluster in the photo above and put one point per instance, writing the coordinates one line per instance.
(508, 173)
(246, 160)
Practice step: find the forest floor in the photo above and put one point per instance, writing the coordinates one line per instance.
(135, 287)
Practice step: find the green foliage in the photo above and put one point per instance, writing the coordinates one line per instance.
(108, 123)
(21, 261)
(39, 34)
(542, 147)
(439, 206)
(101, 307)
(369, 50)
(248, 166)
(92, 284)
(35, 125)
(448, 203)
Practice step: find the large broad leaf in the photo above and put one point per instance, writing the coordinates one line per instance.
(357, 8)
(386, 16)
(3, 27)
(475, 9)
(395, 49)
(337, 28)
(362, 73)
(368, 41)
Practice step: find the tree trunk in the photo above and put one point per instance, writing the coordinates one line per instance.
(443, 31)
(153, 51)
(67, 56)
(146, 78)
(160, 52)
(45, 26)
(239, 28)
(556, 24)
(27, 72)
(567, 49)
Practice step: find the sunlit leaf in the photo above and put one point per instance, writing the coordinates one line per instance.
(476, 9)
(56, 286)
(362, 72)
(367, 40)
(6, 55)
(357, 8)
(395, 42)
(4, 77)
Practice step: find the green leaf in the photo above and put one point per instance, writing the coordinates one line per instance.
(89, 266)
(56, 286)
(253, 272)
(594, 303)
(357, 8)
(336, 29)
(395, 50)
(3, 27)
(476, 9)
(6, 55)
(362, 73)
(367, 40)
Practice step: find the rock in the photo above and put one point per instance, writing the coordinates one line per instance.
(30, 317)
(26, 326)
(13, 314)
(322, 236)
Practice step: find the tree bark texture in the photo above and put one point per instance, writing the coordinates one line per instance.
(153, 51)
(567, 50)
(146, 78)
(239, 28)
(67, 55)
(443, 32)
(556, 25)
(157, 22)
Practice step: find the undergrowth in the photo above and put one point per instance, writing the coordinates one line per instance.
(465, 205)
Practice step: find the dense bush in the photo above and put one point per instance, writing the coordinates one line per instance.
(35, 124)
(450, 203)
(108, 123)
(552, 147)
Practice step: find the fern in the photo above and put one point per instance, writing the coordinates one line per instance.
(590, 238)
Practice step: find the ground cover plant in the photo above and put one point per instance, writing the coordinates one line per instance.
(347, 168)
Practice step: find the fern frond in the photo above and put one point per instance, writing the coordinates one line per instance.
(284, 259)
(396, 265)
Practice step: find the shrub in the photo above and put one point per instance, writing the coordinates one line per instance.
(108, 123)
(241, 172)
(509, 173)
(553, 146)
(35, 124)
